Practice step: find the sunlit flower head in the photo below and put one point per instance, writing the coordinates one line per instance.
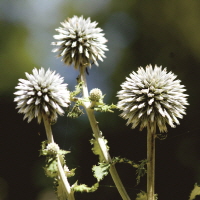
(152, 97)
(43, 93)
(80, 42)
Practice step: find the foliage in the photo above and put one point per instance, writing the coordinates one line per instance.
(78, 89)
(141, 170)
(75, 111)
(96, 150)
(85, 188)
(143, 196)
(101, 170)
(105, 108)
(195, 192)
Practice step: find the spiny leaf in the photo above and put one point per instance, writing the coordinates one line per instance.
(105, 108)
(195, 192)
(43, 152)
(51, 169)
(75, 112)
(143, 196)
(85, 188)
(77, 90)
(101, 170)
(141, 170)
(124, 160)
(70, 173)
(60, 190)
(96, 149)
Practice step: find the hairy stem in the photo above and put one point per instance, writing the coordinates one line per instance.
(63, 178)
(98, 136)
(151, 162)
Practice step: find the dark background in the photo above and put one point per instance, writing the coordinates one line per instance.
(141, 32)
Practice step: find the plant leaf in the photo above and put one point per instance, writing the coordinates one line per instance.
(84, 188)
(96, 150)
(195, 192)
(61, 191)
(101, 170)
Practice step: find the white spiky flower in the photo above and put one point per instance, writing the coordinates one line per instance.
(43, 93)
(152, 96)
(79, 42)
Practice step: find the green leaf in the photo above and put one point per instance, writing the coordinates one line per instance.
(75, 112)
(141, 170)
(101, 170)
(195, 192)
(43, 151)
(105, 108)
(85, 188)
(70, 173)
(96, 149)
(78, 89)
(60, 190)
(51, 169)
(143, 196)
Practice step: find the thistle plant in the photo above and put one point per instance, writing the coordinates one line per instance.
(152, 98)
(81, 43)
(41, 96)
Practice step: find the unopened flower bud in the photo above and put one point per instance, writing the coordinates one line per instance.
(95, 94)
(53, 148)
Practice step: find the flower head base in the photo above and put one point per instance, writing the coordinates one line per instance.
(152, 97)
(42, 94)
(80, 42)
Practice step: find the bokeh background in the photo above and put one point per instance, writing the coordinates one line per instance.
(164, 32)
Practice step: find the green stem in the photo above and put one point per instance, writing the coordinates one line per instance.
(98, 136)
(48, 129)
(151, 162)
(63, 177)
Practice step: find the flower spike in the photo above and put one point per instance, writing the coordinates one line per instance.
(80, 42)
(152, 95)
(43, 93)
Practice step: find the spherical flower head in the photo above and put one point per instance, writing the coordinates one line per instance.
(95, 95)
(79, 42)
(53, 148)
(152, 97)
(43, 93)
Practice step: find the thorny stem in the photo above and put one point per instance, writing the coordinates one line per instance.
(151, 134)
(98, 136)
(63, 178)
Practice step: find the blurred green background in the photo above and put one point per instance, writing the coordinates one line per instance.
(164, 32)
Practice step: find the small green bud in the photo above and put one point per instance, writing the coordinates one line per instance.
(95, 94)
(53, 148)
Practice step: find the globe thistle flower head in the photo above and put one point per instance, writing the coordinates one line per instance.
(95, 94)
(42, 93)
(80, 42)
(152, 97)
(53, 148)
